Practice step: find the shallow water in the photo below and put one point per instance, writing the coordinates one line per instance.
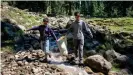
(70, 69)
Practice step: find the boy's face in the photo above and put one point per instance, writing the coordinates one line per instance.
(77, 17)
(45, 22)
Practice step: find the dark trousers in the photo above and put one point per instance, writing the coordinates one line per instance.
(78, 47)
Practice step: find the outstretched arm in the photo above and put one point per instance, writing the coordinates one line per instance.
(34, 28)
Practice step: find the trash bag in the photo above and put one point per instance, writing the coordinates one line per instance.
(62, 45)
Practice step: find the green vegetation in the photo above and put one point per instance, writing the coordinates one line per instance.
(21, 17)
(8, 47)
(123, 24)
(115, 67)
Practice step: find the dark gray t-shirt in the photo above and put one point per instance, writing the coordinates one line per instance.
(77, 28)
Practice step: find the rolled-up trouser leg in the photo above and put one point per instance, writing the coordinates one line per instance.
(45, 47)
(75, 47)
(81, 45)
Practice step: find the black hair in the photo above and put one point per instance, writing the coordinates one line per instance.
(76, 13)
(45, 20)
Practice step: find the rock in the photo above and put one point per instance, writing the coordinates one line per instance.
(90, 52)
(113, 73)
(124, 72)
(35, 70)
(25, 62)
(72, 18)
(16, 56)
(29, 56)
(131, 35)
(129, 49)
(14, 63)
(53, 67)
(70, 57)
(99, 63)
(47, 73)
(110, 55)
(11, 57)
(59, 70)
(21, 27)
(20, 63)
(34, 54)
(35, 44)
(124, 61)
(99, 73)
(24, 67)
(124, 33)
(13, 21)
(40, 53)
(88, 70)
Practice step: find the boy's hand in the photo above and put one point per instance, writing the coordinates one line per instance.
(27, 31)
(91, 36)
(56, 41)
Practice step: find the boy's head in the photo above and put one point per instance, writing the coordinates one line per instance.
(45, 21)
(77, 16)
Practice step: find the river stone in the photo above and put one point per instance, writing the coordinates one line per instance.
(99, 63)
(110, 55)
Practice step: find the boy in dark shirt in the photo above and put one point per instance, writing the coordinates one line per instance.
(45, 33)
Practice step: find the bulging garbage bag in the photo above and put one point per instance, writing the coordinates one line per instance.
(62, 44)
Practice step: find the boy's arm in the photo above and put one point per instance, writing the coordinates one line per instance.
(87, 29)
(52, 33)
(34, 28)
(69, 29)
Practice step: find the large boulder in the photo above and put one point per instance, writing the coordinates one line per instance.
(125, 71)
(125, 60)
(110, 55)
(99, 63)
(90, 52)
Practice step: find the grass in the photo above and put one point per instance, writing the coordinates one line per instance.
(124, 24)
(21, 17)
(128, 28)
(115, 67)
(8, 46)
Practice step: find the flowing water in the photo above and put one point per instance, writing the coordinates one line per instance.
(70, 69)
(60, 62)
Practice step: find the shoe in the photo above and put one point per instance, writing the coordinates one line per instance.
(76, 61)
(46, 60)
(49, 55)
(81, 62)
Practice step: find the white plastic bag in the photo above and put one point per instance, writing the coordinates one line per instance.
(62, 44)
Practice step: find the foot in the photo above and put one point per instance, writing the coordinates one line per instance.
(76, 61)
(48, 55)
(46, 60)
(81, 62)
